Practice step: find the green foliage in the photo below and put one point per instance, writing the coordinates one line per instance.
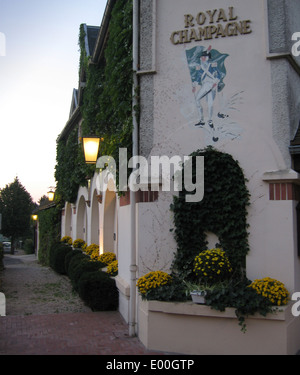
(212, 266)
(69, 257)
(16, 206)
(57, 257)
(79, 243)
(98, 290)
(107, 104)
(222, 211)
(75, 260)
(238, 295)
(83, 266)
(70, 170)
(175, 291)
(49, 232)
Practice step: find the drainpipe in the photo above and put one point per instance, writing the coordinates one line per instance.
(133, 265)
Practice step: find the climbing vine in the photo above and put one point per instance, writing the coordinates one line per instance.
(49, 232)
(70, 170)
(222, 211)
(107, 103)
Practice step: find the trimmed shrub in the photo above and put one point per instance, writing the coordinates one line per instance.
(83, 266)
(69, 257)
(98, 290)
(58, 253)
(75, 260)
(52, 251)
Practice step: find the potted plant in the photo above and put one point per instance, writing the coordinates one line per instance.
(198, 296)
(197, 291)
(211, 268)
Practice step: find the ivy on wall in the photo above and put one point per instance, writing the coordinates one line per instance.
(70, 170)
(49, 232)
(107, 104)
(222, 211)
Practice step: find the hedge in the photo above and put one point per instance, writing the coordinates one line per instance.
(69, 257)
(98, 290)
(75, 260)
(58, 252)
(95, 287)
(82, 266)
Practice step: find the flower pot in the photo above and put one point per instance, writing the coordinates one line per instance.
(198, 296)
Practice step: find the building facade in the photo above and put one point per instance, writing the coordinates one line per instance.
(210, 73)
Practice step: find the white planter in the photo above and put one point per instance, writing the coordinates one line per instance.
(198, 296)
(183, 328)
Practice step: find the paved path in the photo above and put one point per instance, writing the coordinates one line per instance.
(97, 333)
(44, 317)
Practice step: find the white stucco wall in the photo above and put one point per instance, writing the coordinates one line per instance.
(247, 134)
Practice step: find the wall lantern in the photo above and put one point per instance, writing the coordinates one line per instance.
(51, 195)
(34, 217)
(91, 148)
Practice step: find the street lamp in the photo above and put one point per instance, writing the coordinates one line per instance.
(50, 195)
(91, 148)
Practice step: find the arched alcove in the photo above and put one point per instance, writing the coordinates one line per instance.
(81, 219)
(95, 231)
(109, 224)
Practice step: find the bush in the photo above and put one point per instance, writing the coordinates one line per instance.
(152, 280)
(271, 289)
(98, 290)
(67, 240)
(52, 252)
(69, 257)
(29, 246)
(212, 266)
(58, 253)
(92, 250)
(75, 260)
(106, 258)
(112, 268)
(79, 244)
(84, 265)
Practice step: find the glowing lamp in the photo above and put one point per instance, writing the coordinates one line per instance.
(34, 217)
(51, 195)
(91, 149)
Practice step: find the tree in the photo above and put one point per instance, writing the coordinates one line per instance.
(16, 206)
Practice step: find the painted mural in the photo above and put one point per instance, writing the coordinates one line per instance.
(214, 108)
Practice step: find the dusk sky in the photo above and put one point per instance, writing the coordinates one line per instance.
(38, 70)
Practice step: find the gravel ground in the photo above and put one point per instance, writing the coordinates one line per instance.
(31, 289)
